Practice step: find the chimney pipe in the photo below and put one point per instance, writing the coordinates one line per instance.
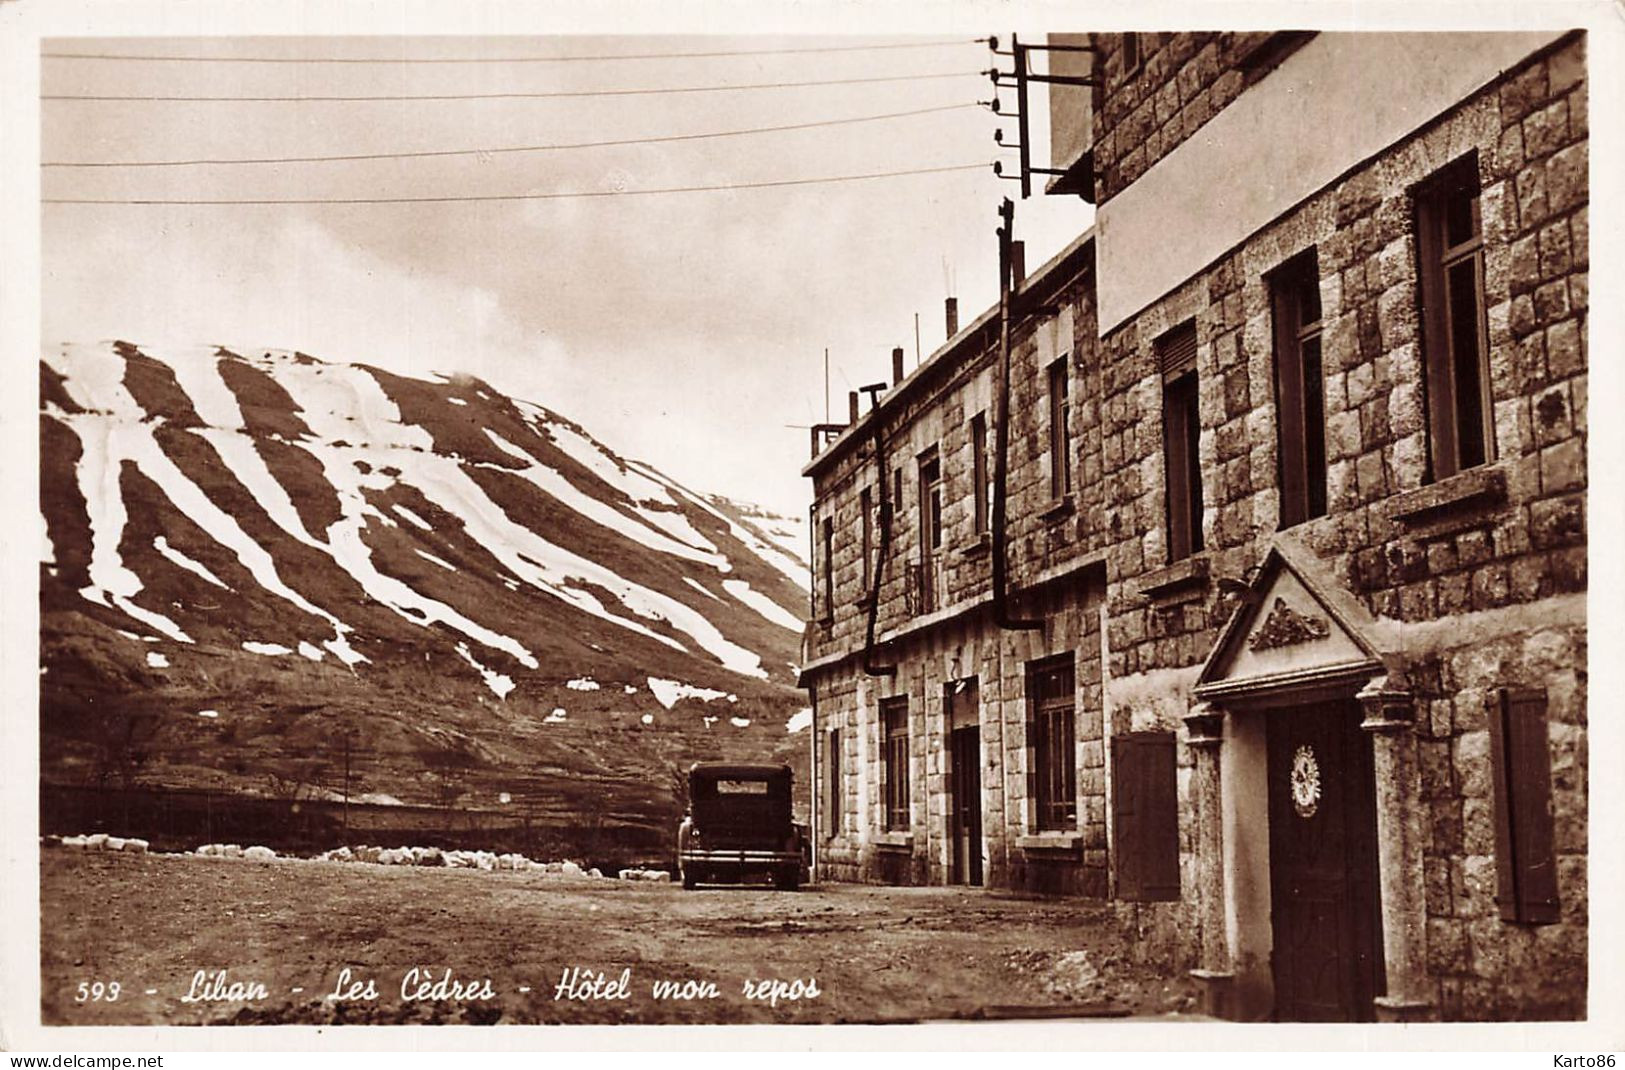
(951, 309)
(851, 406)
(897, 365)
(1018, 263)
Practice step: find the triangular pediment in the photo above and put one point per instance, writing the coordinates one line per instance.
(1292, 626)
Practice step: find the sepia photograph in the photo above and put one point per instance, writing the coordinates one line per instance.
(995, 517)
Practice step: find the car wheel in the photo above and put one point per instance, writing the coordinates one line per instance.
(788, 880)
(688, 881)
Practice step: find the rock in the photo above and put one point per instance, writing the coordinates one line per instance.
(138, 847)
(259, 854)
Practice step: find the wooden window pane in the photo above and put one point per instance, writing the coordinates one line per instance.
(832, 803)
(894, 718)
(1051, 754)
(1450, 270)
(979, 470)
(829, 568)
(1060, 449)
(865, 523)
(1299, 390)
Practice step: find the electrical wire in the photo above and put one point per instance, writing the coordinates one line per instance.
(556, 94)
(428, 153)
(513, 59)
(518, 196)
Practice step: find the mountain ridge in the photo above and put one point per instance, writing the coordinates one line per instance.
(247, 555)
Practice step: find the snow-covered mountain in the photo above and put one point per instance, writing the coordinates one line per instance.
(248, 553)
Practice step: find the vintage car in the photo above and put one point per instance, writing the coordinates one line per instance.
(739, 827)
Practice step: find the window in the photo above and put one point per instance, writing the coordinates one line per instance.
(1060, 434)
(1145, 816)
(897, 503)
(866, 507)
(894, 722)
(1299, 389)
(1051, 759)
(829, 568)
(1131, 54)
(1520, 759)
(1181, 431)
(1450, 255)
(930, 504)
(981, 481)
(832, 803)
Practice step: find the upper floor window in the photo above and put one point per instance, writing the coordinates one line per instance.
(1450, 261)
(828, 540)
(1051, 755)
(866, 526)
(981, 479)
(894, 725)
(1060, 435)
(1181, 434)
(930, 504)
(1299, 389)
(1131, 55)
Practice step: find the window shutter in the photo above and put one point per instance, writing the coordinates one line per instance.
(1125, 785)
(1526, 862)
(1145, 810)
(833, 803)
(1176, 350)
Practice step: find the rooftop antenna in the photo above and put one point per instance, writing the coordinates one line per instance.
(916, 339)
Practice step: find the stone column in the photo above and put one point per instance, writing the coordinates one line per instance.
(1204, 732)
(1389, 713)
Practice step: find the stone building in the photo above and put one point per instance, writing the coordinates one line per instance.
(1279, 643)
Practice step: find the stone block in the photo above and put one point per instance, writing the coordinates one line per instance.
(1551, 302)
(1563, 355)
(1566, 68)
(1523, 269)
(1563, 467)
(1523, 94)
(1533, 207)
(1478, 826)
(1557, 522)
(1555, 252)
(1546, 129)
(1563, 182)
(1552, 422)
(1447, 946)
(1436, 882)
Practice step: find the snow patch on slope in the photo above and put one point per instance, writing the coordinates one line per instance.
(670, 692)
(499, 683)
(764, 605)
(161, 544)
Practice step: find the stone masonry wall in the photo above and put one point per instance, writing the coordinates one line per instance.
(1486, 593)
(1184, 79)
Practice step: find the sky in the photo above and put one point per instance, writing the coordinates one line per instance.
(684, 329)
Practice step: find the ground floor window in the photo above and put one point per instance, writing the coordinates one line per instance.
(894, 725)
(1052, 777)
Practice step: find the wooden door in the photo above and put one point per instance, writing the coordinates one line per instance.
(965, 834)
(1323, 865)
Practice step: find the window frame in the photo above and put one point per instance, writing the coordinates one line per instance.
(1458, 438)
(827, 531)
(1051, 744)
(866, 528)
(1060, 430)
(981, 476)
(833, 804)
(896, 812)
(1181, 440)
(1300, 389)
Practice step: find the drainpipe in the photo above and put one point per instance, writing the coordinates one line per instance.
(1001, 436)
(884, 553)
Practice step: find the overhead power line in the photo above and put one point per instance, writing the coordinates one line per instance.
(355, 156)
(517, 196)
(514, 59)
(552, 94)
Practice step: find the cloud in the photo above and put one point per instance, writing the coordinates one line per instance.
(292, 285)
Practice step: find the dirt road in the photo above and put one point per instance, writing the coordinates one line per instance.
(285, 932)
